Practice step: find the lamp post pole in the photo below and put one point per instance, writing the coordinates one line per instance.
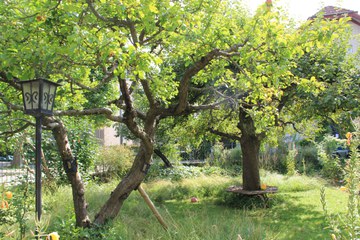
(38, 97)
(38, 204)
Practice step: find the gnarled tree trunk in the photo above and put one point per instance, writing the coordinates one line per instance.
(132, 180)
(70, 165)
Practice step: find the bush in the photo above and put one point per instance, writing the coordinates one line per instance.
(224, 157)
(200, 187)
(179, 173)
(113, 161)
(332, 167)
(291, 162)
(308, 157)
(347, 226)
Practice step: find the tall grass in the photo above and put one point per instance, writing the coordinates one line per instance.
(298, 199)
(296, 212)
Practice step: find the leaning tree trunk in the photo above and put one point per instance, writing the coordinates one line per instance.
(166, 161)
(70, 166)
(131, 182)
(250, 145)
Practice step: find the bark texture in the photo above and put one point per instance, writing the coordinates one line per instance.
(69, 162)
(163, 158)
(128, 184)
(250, 145)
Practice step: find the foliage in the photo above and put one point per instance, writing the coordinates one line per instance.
(16, 212)
(332, 166)
(347, 226)
(179, 173)
(291, 162)
(308, 157)
(113, 162)
(225, 157)
(173, 58)
(84, 144)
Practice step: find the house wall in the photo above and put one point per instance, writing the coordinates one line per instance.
(355, 39)
(107, 137)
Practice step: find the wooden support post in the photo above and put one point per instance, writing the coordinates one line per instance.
(152, 207)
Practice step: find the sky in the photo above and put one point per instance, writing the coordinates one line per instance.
(302, 9)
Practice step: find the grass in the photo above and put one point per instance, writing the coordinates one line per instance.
(295, 212)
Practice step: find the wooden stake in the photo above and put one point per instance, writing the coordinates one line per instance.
(152, 207)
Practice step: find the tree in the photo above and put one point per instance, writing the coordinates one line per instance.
(154, 60)
(283, 82)
(153, 51)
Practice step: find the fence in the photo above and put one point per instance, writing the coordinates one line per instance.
(14, 175)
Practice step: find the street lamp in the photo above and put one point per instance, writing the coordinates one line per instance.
(38, 96)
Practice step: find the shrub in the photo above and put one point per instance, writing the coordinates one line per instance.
(291, 162)
(347, 226)
(224, 157)
(200, 187)
(332, 167)
(113, 161)
(179, 173)
(16, 205)
(308, 157)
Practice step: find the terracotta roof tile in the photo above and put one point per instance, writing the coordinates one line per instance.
(336, 12)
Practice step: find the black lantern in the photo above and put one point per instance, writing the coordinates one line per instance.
(38, 97)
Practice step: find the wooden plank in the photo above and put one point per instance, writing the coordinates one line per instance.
(152, 207)
(240, 190)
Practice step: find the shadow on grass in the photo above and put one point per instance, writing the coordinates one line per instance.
(296, 217)
(288, 216)
(205, 220)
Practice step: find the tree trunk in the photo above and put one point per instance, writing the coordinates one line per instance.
(17, 161)
(45, 167)
(70, 165)
(163, 157)
(250, 145)
(132, 180)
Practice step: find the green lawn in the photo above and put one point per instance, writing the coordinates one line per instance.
(293, 215)
(295, 212)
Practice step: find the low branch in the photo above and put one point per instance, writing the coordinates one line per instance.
(9, 105)
(13, 82)
(289, 123)
(225, 135)
(158, 152)
(13, 132)
(108, 113)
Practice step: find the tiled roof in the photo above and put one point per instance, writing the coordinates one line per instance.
(336, 12)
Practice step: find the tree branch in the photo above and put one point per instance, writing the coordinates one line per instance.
(13, 82)
(108, 113)
(9, 105)
(107, 78)
(115, 21)
(130, 113)
(12, 132)
(197, 67)
(223, 134)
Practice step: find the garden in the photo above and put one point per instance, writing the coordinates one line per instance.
(228, 124)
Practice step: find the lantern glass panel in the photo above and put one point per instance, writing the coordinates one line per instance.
(48, 96)
(31, 95)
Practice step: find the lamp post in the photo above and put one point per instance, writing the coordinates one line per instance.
(38, 96)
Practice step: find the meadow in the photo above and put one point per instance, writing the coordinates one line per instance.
(295, 212)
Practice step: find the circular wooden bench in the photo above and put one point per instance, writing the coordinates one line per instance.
(262, 194)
